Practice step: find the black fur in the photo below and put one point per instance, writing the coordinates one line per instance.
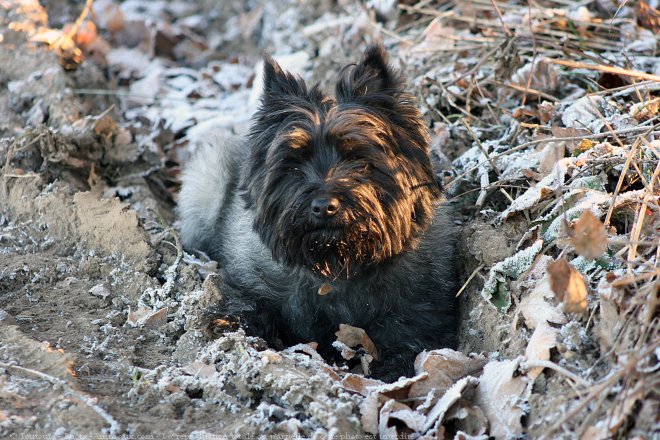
(383, 244)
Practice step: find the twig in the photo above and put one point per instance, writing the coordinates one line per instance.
(641, 213)
(505, 28)
(476, 271)
(534, 54)
(622, 176)
(129, 94)
(608, 382)
(481, 147)
(535, 363)
(608, 69)
(83, 15)
(115, 427)
(526, 90)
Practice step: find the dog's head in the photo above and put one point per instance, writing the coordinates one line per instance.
(339, 184)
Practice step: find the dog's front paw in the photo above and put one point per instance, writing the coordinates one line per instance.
(392, 366)
(216, 321)
(226, 316)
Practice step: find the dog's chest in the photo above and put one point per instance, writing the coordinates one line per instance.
(311, 305)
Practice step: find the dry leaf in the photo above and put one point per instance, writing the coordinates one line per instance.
(539, 345)
(647, 16)
(354, 336)
(346, 352)
(457, 391)
(569, 286)
(360, 384)
(85, 36)
(536, 310)
(584, 145)
(369, 413)
(100, 290)
(545, 76)
(325, 289)
(589, 237)
(200, 369)
(444, 367)
(468, 420)
(499, 395)
(546, 111)
(402, 415)
(145, 317)
(552, 153)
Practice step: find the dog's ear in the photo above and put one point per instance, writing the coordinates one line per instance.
(372, 79)
(279, 82)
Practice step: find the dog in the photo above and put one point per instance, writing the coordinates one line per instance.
(329, 194)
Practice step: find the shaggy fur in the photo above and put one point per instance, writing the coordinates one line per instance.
(337, 191)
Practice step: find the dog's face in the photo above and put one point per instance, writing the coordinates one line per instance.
(339, 184)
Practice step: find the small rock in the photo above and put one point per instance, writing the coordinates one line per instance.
(101, 291)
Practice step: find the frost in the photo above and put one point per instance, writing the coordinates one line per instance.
(495, 290)
(585, 113)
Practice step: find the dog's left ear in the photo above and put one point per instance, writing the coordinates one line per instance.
(373, 78)
(277, 81)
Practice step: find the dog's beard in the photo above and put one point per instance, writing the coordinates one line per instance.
(334, 253)
(365, 233)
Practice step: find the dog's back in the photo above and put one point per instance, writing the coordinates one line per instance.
(207, 186)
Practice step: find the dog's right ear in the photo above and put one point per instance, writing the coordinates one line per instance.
(371, 81)
(280, 82)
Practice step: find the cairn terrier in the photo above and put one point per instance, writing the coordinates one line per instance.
(328, 213)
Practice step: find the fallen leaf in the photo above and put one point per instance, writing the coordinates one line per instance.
(444, 367)
(552, 153)
(355, 336)
(85, 35)
(369, 413)
(325, 289)
(584, 145)
(393, 412)
(495, 289)
(538, 347)
(346, 352)
(501, 395)
(469, 420)
(589, 237)
(200, 369)
(569, 286)
(457, 391)
(145, 317)
(360, 384)
(647, 16)
(101, 290)
(537, 310)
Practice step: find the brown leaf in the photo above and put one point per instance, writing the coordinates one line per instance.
(354, 336)
(647, 16)
(589, 237)
(145, 317)
(397, 420)
(537, 310)
(569, 286)
(538, 348)
(325, 289)
(360, 384)
(444, 367)
(85, 36)
(499, 394)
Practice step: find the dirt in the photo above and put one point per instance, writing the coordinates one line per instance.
(100, 306)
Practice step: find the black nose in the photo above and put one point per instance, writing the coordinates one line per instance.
(325, 207)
